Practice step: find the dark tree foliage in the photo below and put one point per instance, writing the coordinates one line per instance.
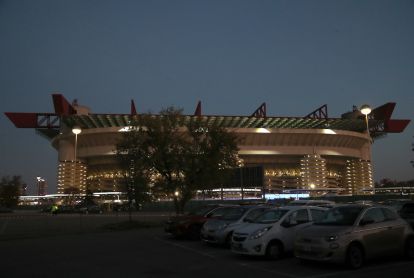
(9, 191)
(131, 156)
(176, 157)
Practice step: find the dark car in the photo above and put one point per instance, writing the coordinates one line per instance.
(89, 209)
(404, 207)
(219, 230)
(189, 225)
(407, 213)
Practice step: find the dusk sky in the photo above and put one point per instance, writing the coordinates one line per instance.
(231, 55)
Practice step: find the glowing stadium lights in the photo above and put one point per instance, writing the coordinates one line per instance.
(365, 110)
(262, 130)
(76, 130)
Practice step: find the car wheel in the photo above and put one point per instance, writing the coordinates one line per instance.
(409, 248)
(194, 232)
(354, 256)
(274, 250)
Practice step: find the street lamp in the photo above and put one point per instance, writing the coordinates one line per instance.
(366, 109)
(76, 130)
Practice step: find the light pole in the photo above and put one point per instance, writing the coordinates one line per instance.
(366, 109)
(76, 130)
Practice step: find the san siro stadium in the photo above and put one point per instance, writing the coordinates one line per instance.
(311, 155)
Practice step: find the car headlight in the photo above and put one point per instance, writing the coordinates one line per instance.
(259, 233)
(331, 238)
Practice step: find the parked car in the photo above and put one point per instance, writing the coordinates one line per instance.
(220, 230)
(318, 203)
(272, 233)
(189, 225)
(404, 207)
(89, 209)
(63, 209)
(397, 204)
(352, 234)
(407, 213)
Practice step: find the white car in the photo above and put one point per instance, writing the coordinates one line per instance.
(219, 230)
(318, 203)
(273, 232)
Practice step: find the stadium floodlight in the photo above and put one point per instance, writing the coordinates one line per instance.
(76, 130)
(366, 109)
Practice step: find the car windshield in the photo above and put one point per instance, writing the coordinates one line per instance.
(229, 213)
(271, 216)
(340, 216)
(253, 214)
(200, 211)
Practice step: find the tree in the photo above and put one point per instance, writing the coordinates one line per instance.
(178, 154)
(9, 191)
(131, 155)
(209, 152)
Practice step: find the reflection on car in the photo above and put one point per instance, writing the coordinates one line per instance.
(318, 203)
(272, 233)
(404, 207)
(220, 229)
(351, 234)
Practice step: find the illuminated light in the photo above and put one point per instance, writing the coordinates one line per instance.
(244, 152)
(76, 130)
(262, 130)
(365, 109)
(125, 129)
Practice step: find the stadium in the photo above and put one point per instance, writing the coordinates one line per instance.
(312, 155)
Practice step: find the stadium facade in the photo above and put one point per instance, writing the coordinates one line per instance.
(314, 154)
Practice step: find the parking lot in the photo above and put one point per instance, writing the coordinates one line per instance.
(146, 252)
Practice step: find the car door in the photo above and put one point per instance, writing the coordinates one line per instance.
(375, 232)
(292, 223)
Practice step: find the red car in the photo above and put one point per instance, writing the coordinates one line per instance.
(189, 225)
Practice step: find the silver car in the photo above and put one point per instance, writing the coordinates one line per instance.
(272, 233)
(351, 234)
(219, 230)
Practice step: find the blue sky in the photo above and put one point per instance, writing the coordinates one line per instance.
(231, 55)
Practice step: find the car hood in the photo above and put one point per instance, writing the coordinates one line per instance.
(183, 218)
(249, 228)
(324, 230)
(215, 223)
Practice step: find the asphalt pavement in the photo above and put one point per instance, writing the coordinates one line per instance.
(90, 251)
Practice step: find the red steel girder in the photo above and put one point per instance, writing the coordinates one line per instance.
(34, 120)
(261, 111)
(320, 113)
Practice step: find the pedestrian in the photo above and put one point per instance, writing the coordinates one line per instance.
(54, 209)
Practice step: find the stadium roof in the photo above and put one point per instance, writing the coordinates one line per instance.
(48, 124)
(121, 120)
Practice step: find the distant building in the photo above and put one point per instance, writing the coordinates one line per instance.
(23, 190)
(41, 186)
(314, 153)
